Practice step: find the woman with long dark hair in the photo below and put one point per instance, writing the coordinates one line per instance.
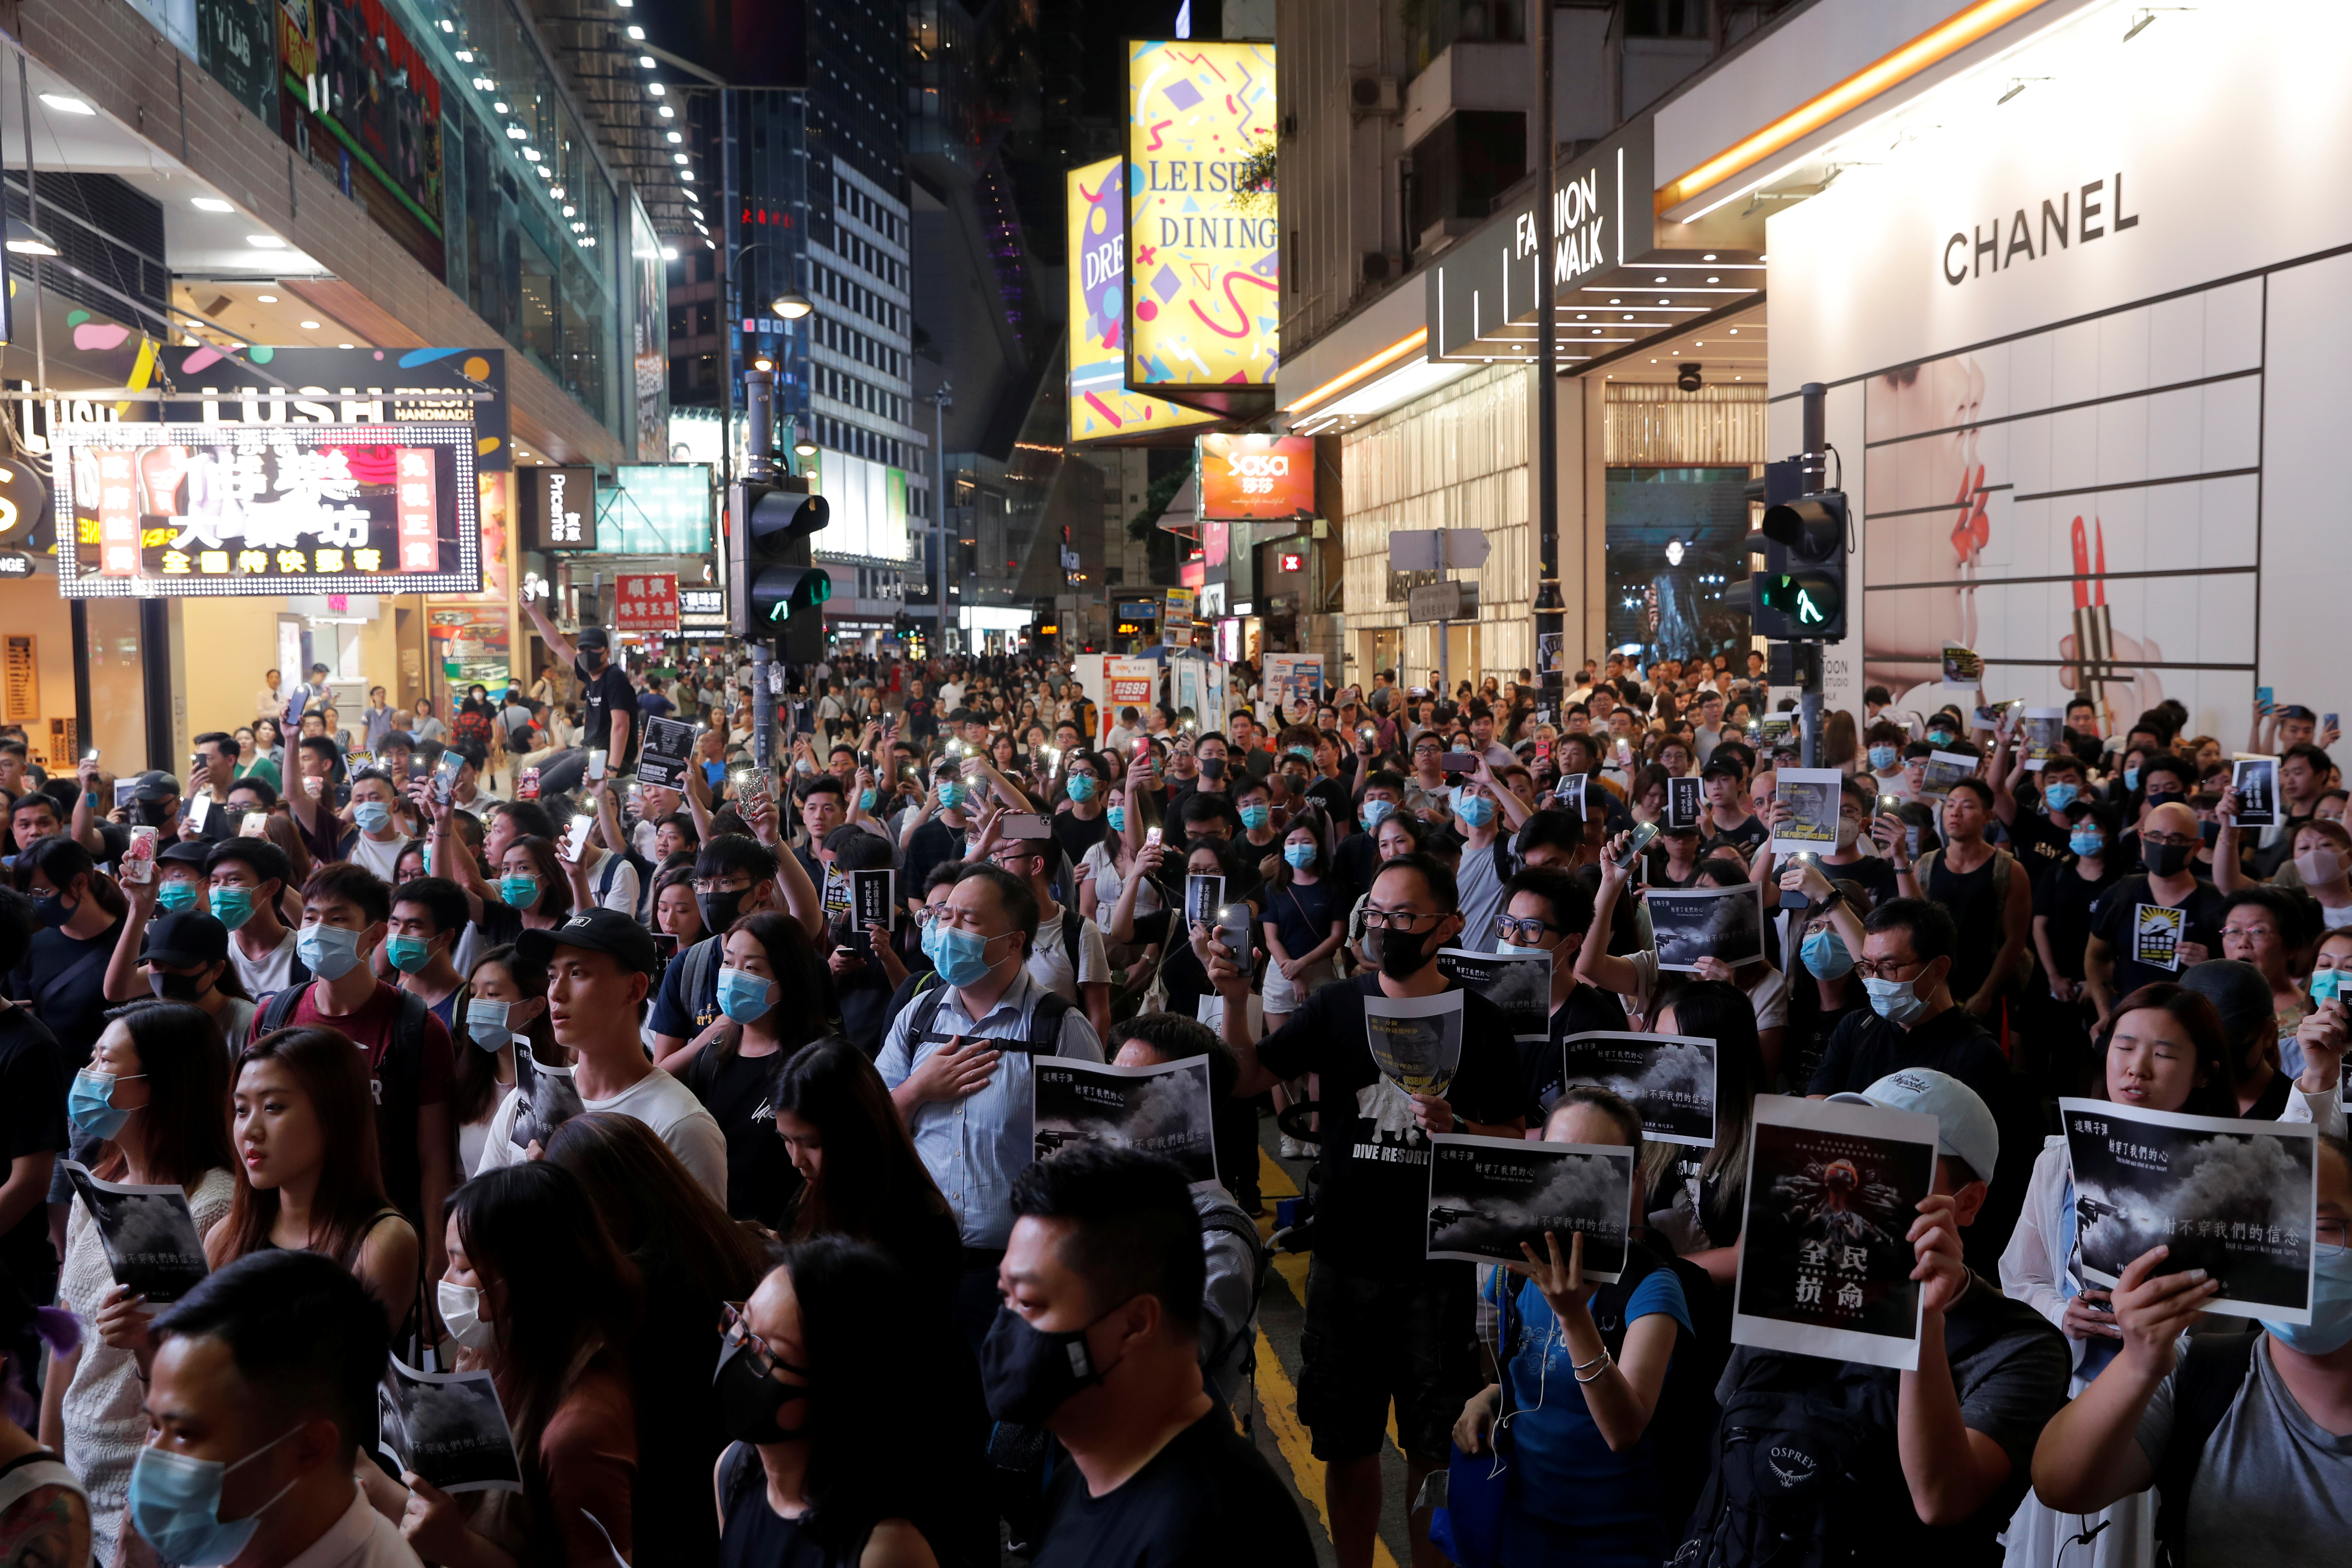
(156, 1093)
(531, 881)
(508, 999)
(862, 1178)
(538, 1295)
(79, 911)
(770, 987)
(1705, 1193)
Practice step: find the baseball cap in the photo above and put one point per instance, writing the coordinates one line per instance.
(598, 930)
(154, 785)
(185, 940)
(1964, 1127)
(2237, 990)
(1719, 766)
(593, 637)
(186, 852)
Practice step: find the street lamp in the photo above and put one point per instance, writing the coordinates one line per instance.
(792, 304)
(24, 239)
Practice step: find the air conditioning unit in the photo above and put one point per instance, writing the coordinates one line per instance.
(1374, 95)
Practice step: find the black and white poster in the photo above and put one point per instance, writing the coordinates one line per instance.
(2157, 933)
(870, 896)
(1416, 1041)
(1825, 1268)
(149, 1234)
(666, 754)
(1519, 983)
(549, 1099)
(1684, 801)
(1488, 1196)
(2257, 782)
(446, 1427)
(1943, 770)
(2043, 733)
(1722, 923)
(1669, 1078)
(1164, 1110)
(1811, 797)
(2234, 1198)
(1202, 894)
(1568, 796)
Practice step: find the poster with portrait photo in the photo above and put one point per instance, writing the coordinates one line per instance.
(1162, 1110)
(1692, 923)
(1945, 769)
(1488, 1196)
(1825, 1268)
(1416, 1041)
(446, 1427)
(2233, 1197)
(1568, 796)
(2043, 736)
(1811, 797)
(1962, 667)
(2255, 778)
(1684, 801)
(546, 1097)
(663, 760)
(1519, 983)
(149, 1233)
(1669, 1078)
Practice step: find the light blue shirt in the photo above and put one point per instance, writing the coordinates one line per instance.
(973, 1147)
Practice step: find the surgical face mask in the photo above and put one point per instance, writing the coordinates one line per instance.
(1512, 950)
(232, 906)
(1300, 855)
(408, 953)
(1940, 737)
(1474, 809)
(1081, 786)
(802, 766)
(1883, 758)
(328, 951)
(2059, 796)
(2327, 984)
(173, 987)
(866, 799)
(1375, 812)
(1027, 1374)
(486, 1024)
(372, 816)
(2131, 778)
(461, 1309)
(89, 1104)
(1116, 817)
(743, 996)
(959, 956)
(719, 909)
(518, 891)
(749, 1400)
(176, 1504)
(2318, 866)
(950, 795)
(2330, 1328)
(1825, 955)
(1896, 1001)
(1256, 816)
(176, 896)
(2087, 841)
(1848, 831)
(2164, 859)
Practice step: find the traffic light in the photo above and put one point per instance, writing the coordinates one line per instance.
(1800, 592)
(773, 587)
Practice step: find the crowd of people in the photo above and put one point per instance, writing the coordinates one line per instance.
(468, 1045)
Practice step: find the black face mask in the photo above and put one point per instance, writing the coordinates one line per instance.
(719, 909)
(1028, 1374)
(174, 987)
(2164, 859)
(750, 1401)
(1399, 953)
(1213, 768)
(149, 813)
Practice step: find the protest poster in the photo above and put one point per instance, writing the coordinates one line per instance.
(2255, 779)
(1692, 923)
(1962, 666)
(1519, 983)
(446, 1427)
(2156, 935)
(1202, 895)
(663, 760)
(833, 897)
(1164, 1110)
(1669, 1078)
(1943, 770)
(2234, 1198)
(1811, 797)
(870, 898)
(1683, 802)
(1825, 1268)
(2044, 736)
(1568, 796)
(149, 1234)
(1416, 1041)
(1775, 730)
(546, 1097)
(1488, 1196)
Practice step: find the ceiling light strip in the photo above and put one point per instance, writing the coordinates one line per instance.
(1417, 338)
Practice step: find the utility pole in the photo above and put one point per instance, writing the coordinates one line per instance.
(759, 395)
(1813, 463)
(1551, 620)
(942, 399)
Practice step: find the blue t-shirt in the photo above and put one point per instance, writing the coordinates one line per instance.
(1564, 1471)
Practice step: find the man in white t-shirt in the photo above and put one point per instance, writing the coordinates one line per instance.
(1082, 977)
(600, 967)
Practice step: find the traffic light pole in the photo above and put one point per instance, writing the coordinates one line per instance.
(759, 468)
(1813, 463)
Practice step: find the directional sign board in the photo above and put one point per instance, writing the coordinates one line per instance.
(1420, 550)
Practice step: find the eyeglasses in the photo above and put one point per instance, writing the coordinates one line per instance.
(2251, 933)
(1525, 932)
(1397, 920)
(2169, 840)
(1885, 969)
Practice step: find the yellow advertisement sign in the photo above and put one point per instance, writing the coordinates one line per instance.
(1204, 304)
(1101, 407)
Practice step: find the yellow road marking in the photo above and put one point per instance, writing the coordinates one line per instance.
(1277, 1402)
(1274, 1181)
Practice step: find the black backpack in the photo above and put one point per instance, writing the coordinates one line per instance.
(1044, 1039)
(408, 1027)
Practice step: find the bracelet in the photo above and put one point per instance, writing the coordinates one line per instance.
(1599, 1363)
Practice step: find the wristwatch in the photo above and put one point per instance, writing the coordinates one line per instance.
(1837, 897)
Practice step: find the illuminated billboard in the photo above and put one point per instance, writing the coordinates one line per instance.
(1204, 304)
(1257, 478)
(867, 502)
(1101, 407)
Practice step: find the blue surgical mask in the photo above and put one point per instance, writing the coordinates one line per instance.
(1883, 758)
(2059, 796)
(1474, 809)
(372, 816)
(232, 906)
(2131, 778)
(1306, 752)
(1512, 950)
(2087, 841)
(328, 951)
(519, 892)
(176, 1504)
(866, 799)
(2327, 984)
(950, 795)
(1896, 1001)
(1940, 737)
(743, 996)
(960, 957)
(1300, 855)
(1256, 816)
(408, 953)
(1080, 785)
(1373, 813)
(486, 1024)
(2330, 1328)
(176, 896)
(1825, 954)
(89, 1104)
(1116, 817)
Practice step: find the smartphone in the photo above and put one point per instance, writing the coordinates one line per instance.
(91, 755)
(1636, 842)
(444, 776)
(1152, 836)
(1023, 825)
(527, 785)
(1232, 932)
(596, 759)
(1459, 762)
(139, 860)
(2264, 697)
(257, 826)
(665, 945)
(1142, 747)
(2327, 722)
(1890, 804)
(200, 810)
(575, 843)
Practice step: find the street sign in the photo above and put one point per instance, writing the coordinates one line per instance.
(1417, 549)
(1447, 601)
(645, 602)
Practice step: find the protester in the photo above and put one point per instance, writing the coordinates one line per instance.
(32, 1128)
(768, 971)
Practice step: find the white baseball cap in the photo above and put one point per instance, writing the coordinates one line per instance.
(1964, 1127)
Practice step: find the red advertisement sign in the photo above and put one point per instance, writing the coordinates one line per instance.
(1263, 478)
(645, 602)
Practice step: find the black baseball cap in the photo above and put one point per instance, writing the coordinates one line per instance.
(185, 940)
(154, 785)
(1721, 765)
(593, 637)
(186, 852)
(597, 931)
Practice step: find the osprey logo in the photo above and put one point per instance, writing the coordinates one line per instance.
(1792, 1467)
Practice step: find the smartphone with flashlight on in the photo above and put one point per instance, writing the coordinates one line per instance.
(1636, 842)
(1232, 932)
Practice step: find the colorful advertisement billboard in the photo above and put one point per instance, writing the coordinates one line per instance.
(1101, 407)
(1257, 478)
(1204, 304)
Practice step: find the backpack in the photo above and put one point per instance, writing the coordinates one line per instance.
(407, 1027)
(1227, 1219)
(1923, 866)
(2212, 1370)
(471, 727)
(1044, 1039)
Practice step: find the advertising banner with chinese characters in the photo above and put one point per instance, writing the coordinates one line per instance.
(1257, 478)
(1203, 252)
(1101, 407)
(171, 511)
(645, 602)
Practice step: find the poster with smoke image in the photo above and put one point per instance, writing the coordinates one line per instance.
(446, 1427)
(1825, 1268)
(1668, 1079)
(1164, 1110)
(149, 1234)
(1487, 1196)
(2234, 1198)
(1519, 983)
(548, 1098)
(1691, 924)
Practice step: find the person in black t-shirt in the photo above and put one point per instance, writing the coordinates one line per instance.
(2166, 911)
(1098, 1341)
(1726, 822)
(1383, 1324)
(1907, 947)
(1548, 910)
(608, 702)
(32, 1121)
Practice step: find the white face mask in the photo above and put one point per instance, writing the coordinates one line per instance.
(461, 1310)
(2318, 866)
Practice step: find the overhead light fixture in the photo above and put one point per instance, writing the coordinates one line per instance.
(667, 112)
(463, 56)
(1708, 256)
(2018, 84)
(676, 135)
(557, 193)
(791, 305)
(639, 34)
(267, 298)
(2142, 16)
(655, 88)
(678, 157)
(761, 362)
(310, 326)
(669, 253)
(265, 241)
(531, 155)
(447, 27)
(500, 108)
(24, 239)
(1715, 279)
(65, 104)
(647, 61)
(346, 345)
(211, 204)
(1659, 280)
(569, 210)
(687, 175)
